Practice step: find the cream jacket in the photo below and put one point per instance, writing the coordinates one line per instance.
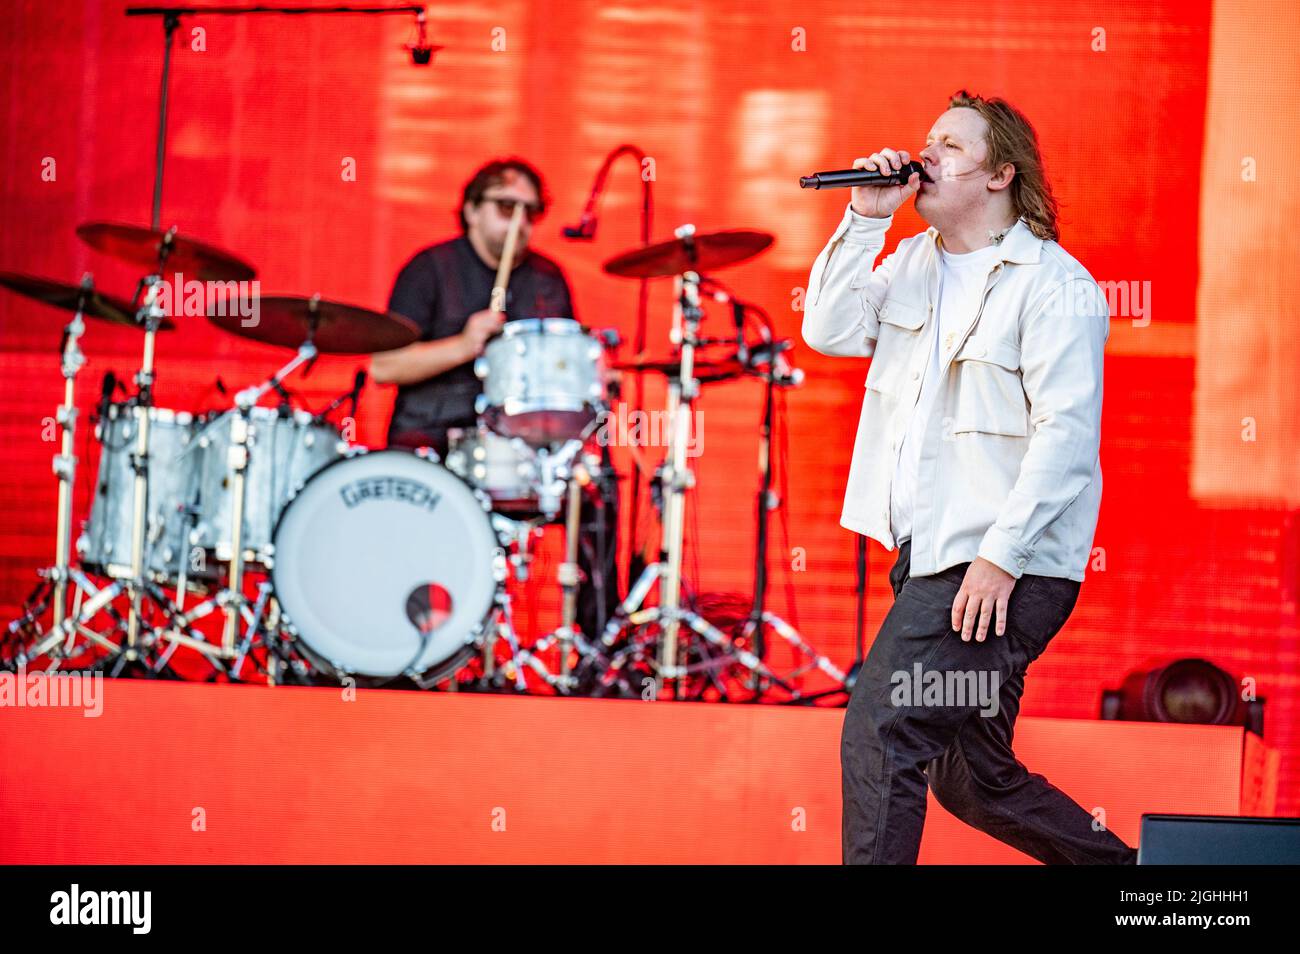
(1009, 467)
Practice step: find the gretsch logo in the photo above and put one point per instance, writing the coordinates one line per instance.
(390, 488)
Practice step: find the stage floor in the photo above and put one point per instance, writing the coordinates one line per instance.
(177, 772)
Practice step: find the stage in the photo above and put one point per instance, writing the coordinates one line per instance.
(176, 773)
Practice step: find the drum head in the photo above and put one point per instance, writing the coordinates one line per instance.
(384, 564)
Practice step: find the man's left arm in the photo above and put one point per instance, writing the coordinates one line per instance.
(1061, 350)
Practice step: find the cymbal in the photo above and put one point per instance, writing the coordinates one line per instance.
(140, 246)
(704, 252)
(94, 304)
(337, 328)
(705, 371)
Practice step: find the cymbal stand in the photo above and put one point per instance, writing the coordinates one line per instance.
(151, 316)
(52, 592)
(65, 462)
(676, 478)
(230, 599)
(245, 400)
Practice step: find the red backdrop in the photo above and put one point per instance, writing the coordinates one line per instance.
(733, 100)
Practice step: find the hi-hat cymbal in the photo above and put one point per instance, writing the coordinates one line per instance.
(335, 328)
(707, 251)
(142, 247)
(93, 304)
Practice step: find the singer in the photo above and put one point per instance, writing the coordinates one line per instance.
(977, 456)
(446, 289)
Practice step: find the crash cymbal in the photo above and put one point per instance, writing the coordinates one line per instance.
(94, 304)
(140, 246)
(336, 328)
(704, 252)
(705, 371)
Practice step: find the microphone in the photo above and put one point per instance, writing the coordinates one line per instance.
(585, 230)
(846, 178)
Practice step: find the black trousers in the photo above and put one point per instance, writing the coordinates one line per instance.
(895, 740)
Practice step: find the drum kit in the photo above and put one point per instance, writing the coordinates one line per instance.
(260, 540)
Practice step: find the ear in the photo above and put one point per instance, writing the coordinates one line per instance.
(1002, 178)
(468, 210)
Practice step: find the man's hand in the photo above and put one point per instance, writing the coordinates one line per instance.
(479, 327)
(986, 587)
(880, 202)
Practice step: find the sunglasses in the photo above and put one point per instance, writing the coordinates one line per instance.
(506, 207)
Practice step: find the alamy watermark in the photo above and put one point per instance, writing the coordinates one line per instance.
(190, 298)
(67, 690)
(946, 687)
(635, 428)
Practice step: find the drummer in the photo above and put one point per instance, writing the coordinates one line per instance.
(446, 288)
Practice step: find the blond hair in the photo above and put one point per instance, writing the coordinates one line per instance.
(1011, 138)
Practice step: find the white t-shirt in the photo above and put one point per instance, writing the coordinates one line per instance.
(962, 279)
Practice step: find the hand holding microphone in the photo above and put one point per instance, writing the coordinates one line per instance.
(880, 201)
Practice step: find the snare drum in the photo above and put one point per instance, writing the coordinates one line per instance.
(105, 545)
(283, 452)
(543, 380)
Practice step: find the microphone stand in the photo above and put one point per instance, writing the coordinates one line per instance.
(760, 618)
(586, 230)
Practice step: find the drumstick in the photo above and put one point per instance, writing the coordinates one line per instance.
(498, 303)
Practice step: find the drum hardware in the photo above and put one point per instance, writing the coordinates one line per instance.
(233, 598)
(677, 476)
(776, 372)
(310, 325)
(155, 249)
(296, 626)
(65, 462)
(88, 600)
(634, 623)
(570, 574)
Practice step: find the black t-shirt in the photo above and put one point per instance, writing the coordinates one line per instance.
(439, 289)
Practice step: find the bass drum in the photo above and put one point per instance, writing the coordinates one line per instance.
(386, 563)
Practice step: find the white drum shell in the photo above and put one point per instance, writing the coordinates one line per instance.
(543, 380)
(283, 453)
(364, 534)
(105, 545)
(505, 468)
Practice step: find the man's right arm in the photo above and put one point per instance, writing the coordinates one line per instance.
(420, 361)
(842, 305)
(415, 296)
